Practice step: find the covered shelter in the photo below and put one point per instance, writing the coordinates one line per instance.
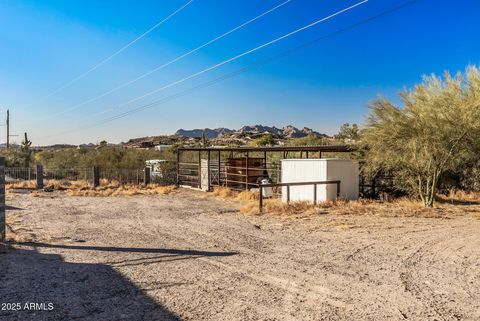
(242, 168)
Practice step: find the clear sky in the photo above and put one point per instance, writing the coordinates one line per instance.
(45, 44)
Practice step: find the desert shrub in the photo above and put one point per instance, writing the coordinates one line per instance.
(103, 156)
(436, 131)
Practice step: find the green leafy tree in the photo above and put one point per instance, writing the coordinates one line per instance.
(348, 132)
(436, 131)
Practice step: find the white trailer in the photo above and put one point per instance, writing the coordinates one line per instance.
(317, 170)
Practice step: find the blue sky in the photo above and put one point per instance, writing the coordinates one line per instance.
(45, 44)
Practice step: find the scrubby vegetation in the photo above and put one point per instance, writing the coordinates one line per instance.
(435, 134)
(67, 158)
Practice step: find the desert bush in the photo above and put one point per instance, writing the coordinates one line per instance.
(436, 131)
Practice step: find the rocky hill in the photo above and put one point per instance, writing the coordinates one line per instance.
(282, 133)
(197, 133)
(222, 136)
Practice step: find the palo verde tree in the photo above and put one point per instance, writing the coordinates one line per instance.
(436, 130)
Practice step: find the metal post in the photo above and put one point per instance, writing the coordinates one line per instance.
(288, 194)
(338, 190)
(146, 176)
(3, 223)
(199, 169)
(219, 164)
(314, 194)
(39, 176)
(208, 171)
(96, 176)
(178, 167)
(246, 174)
(306, 153)
(260, 199)
(319, 154)
(373, 188)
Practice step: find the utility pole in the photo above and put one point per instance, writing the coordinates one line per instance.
(8, 128)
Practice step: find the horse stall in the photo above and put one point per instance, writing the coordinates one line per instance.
(241, 168)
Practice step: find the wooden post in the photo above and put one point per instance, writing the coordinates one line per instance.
(96, 176)
(146, 176)
(39, 176)
(306, 153)
(3, 223)
(314, 194)
(338, 190)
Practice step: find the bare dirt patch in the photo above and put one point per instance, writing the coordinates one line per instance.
(180, 256)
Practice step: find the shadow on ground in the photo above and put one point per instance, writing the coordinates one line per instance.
(128, 249)
(77, 290)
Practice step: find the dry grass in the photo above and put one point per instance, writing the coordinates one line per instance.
(21, 185)
(227, 193)
(123, 190)
(402, 207)
(106, 188)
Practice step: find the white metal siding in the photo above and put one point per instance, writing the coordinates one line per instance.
(309, 170)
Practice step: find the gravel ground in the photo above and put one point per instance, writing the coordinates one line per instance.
(181, 257)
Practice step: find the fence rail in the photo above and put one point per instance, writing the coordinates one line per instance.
(90, 175)
(288, 185)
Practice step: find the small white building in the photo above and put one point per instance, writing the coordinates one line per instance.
(317, 170)
(162, 148)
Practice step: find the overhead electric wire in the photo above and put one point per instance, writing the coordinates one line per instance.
(237, 72)
(170, 62)
(242, 54)
(96, 66)
(230, 75)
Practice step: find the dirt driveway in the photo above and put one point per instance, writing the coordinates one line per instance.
(181, 257)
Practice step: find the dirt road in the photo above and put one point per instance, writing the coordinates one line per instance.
(181, 257)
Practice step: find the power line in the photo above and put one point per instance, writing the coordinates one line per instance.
(96, 66)
(252, 66)
(239, 71)
(232, 74)
(170, 62)
(242, 54)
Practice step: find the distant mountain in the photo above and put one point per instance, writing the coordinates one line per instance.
(221, 136)
(197, 133)
(285, 132)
